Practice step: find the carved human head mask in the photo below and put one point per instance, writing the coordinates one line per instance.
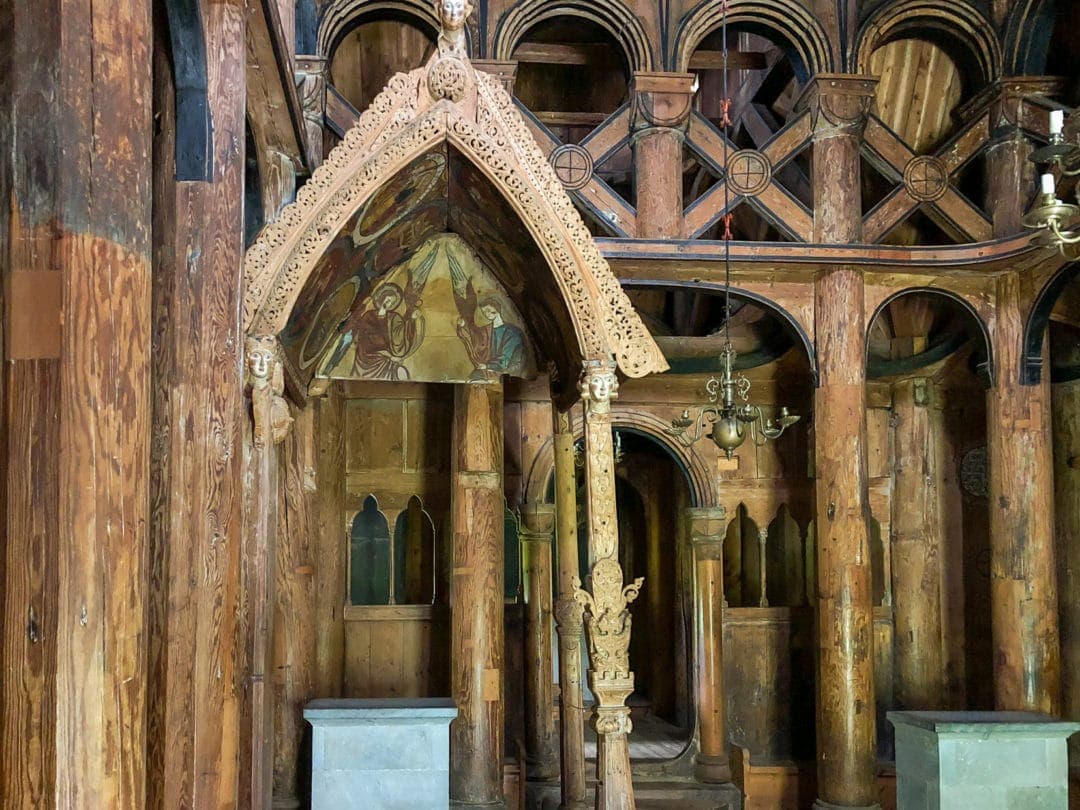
(452, 13)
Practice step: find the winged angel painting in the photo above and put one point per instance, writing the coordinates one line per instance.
(440, 316)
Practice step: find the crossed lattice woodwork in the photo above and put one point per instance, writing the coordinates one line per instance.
(922, 182)
(925, 182)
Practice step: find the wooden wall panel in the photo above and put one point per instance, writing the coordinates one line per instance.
(400, 651)
(769, 682)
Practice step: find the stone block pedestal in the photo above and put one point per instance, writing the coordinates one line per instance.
(380, 754)
(989, 760)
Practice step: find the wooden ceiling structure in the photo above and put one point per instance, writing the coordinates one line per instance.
(871, 157)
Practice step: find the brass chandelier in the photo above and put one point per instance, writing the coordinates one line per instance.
(1050, 215)
(730, 421)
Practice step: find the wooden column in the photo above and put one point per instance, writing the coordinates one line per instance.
(76, 125)
(707, 526)
(477, 598)
(915, 542)
(607, 618)
(846, 728)
(541, 743)
(1010, 176)
(846, 732)
(838, 105)
(331, 544)
(568, 617)
(201, 679)
(1066, 421)
(262, 505)
(1023, 577)
(662, 104)
(294, 634)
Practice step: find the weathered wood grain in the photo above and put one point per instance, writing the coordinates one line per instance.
(845, 674)
(477, 602)
(1066, 424)
(294, 635)
(330, 546)
(915, 542)
(77, 101)
(1023, 582)
(198, 413)
(541, 744)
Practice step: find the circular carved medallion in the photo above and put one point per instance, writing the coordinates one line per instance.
(975, 472)
(749, 172)
(448, 79)
(573, 165)
(925, 178)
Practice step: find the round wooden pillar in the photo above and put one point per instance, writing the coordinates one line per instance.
(1023, 576)
(662, 104)
(916, 535)
(846, 728)
(846, 723)
(477, 597)
(540, 736)
(568, 617)
(707, 527)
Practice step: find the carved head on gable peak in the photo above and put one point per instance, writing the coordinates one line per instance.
(452, 13)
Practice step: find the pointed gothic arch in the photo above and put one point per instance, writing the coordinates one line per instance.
(445, 103)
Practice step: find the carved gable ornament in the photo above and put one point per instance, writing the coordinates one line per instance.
(447, 100)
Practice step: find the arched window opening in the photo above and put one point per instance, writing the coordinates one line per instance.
(414, 556)
(369, 556)
(392, 568)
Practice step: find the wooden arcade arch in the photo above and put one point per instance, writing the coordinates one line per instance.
(447, 102)
(953, 25)
(699, 479)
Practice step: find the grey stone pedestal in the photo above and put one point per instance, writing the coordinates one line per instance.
(988, 760)
(380, 754)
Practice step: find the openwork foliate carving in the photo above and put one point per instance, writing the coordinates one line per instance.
(448, 100)
(607, 619)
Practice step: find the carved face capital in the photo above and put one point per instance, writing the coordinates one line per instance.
(599, 386)
(261, 354)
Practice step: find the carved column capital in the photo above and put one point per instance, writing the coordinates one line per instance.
(569, 617)
(609, 720)
(707, 524)
(661, 100)
(537, 521)
(598, 386)
(838, 103)
(1007, 99)
(266, 379)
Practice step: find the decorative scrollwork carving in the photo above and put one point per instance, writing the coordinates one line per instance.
(480, 119)
(607, 619)
(448, 78)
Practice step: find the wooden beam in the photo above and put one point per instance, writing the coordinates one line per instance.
(75, 169)
(603, 55)
(199, 407)
(274, 111)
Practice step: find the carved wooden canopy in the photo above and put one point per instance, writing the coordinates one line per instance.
(449, 105)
